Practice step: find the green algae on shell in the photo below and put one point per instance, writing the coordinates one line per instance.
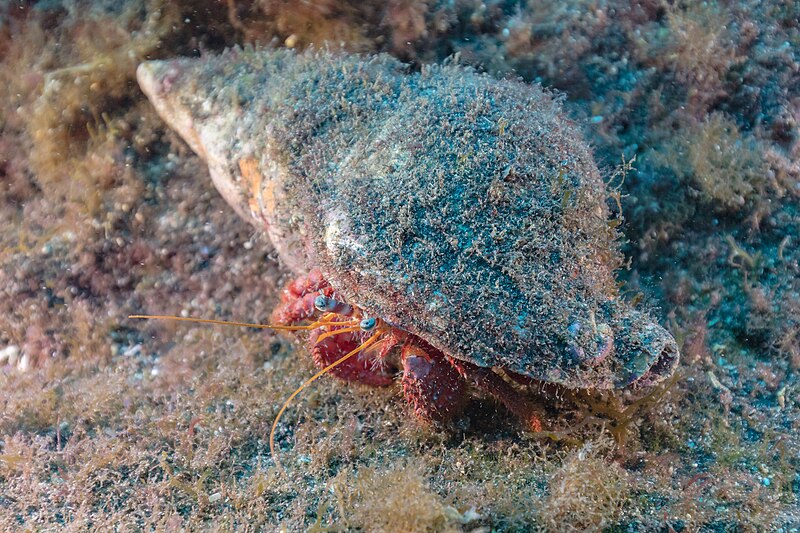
(464, 209)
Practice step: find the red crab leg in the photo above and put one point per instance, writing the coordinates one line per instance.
(297, 299)
(488, 381)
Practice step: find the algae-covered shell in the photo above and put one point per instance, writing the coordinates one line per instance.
(464, 209)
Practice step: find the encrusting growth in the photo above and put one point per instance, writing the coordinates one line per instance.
(463, 214)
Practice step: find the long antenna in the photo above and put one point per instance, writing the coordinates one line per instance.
(313, 325)
(349, 326)
(308, 382)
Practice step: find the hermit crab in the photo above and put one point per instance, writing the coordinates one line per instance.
(444, 226)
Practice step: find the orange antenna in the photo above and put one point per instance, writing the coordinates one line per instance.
(349, 326)
(338, 331)
(323, 321)
(371, 340)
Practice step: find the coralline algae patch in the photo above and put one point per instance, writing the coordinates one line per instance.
(106, 214)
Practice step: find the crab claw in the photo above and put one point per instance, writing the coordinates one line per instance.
(298, 298)
(364, 369)
(431, 384)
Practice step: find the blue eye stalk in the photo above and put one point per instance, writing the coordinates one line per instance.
(324, 304)
(330, 305)
(368, 324)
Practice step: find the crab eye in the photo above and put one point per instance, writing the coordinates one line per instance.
(323, 303)
(368, 324)
(330, 305)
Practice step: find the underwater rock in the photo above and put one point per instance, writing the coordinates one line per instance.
(463, 209)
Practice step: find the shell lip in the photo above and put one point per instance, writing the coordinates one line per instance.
(661, 367)
(654, 361)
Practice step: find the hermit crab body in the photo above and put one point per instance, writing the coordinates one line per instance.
(463, 213)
